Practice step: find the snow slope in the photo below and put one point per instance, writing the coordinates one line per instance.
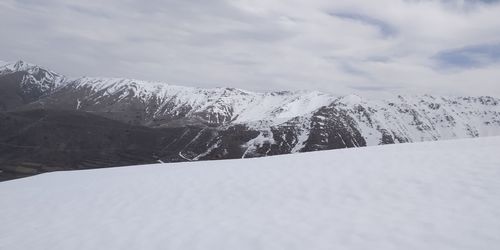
(433, 195)
(220, 105)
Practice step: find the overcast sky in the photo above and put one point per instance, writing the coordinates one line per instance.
(352, 46)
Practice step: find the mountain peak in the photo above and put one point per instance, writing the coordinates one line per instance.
(20, 66)
(351, 100)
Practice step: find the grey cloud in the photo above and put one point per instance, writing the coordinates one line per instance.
(89, 11)
(385, 28)
(460, 2)
(469, 57)
(381, 59)
(349, 68)
(254, 34)
(462, 5)
(373, 88)
(478, 1)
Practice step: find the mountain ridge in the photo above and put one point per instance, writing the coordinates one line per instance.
(223, 123)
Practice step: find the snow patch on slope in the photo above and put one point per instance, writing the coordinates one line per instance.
(264, 137)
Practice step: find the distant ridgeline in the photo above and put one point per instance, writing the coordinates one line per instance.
(50, 122)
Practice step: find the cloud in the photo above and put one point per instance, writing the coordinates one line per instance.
(373, 88)
(469, 57)
(385, 29)
(375, 46)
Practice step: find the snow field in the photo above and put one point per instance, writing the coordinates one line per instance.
(432, 195)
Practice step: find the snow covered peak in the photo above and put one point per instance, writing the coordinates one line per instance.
(35, 80)
(23, 66)
(19, 66)
(32, 69)
(3, 63)
(350, 100)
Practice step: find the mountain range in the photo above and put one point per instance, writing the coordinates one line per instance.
(51, 122)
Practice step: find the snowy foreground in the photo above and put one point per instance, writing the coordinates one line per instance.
(437, 195)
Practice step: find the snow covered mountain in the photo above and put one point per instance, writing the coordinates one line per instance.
(23, 83)
(434, 195)
(159, 104)
(225, 122)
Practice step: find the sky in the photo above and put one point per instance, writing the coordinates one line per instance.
(449, 47)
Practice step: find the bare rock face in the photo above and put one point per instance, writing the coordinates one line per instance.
(49, 122)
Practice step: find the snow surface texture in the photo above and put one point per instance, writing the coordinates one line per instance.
(433, 195)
